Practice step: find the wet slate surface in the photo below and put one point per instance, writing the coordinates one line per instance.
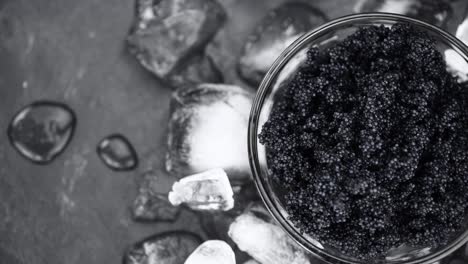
(75, 210)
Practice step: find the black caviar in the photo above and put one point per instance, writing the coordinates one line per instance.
(370, 141)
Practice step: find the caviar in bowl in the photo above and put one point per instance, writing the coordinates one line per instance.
(279, 177)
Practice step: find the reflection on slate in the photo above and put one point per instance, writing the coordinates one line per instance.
(178, 78)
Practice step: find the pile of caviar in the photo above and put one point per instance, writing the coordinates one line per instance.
(370, 141)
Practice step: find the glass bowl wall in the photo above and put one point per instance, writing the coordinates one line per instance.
(280, 72)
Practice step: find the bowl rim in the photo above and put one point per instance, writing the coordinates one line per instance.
(258, 103)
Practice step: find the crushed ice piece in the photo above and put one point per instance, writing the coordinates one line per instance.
(41, 130)
(279, 29)
(167, 32)
(456, 64)
(150, 205)
(168, 248)
(212, 252)
(208, 129)
(209, 190)
(265, 242)
(433, 12)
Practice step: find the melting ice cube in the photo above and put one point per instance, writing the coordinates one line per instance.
(208, 190)
(212, 252)
(208, 129)
(265, 242)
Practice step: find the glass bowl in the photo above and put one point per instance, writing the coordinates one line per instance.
(280, 72)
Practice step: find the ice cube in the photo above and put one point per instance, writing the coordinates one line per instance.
(208, 129)
(279, 29)
(150, 205)
(166, 248)
(209, 190)
(212, 252)
(265, 242)
(456, 64)
(167, 32)
(462, 31)
(433, 12)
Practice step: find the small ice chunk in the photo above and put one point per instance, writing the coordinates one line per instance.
(212, 252)
(456, 64)
(209, 190)
(166, 248)
(208, 129)
(265, 242)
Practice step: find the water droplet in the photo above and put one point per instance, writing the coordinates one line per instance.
(41, 131)
(117, 153)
